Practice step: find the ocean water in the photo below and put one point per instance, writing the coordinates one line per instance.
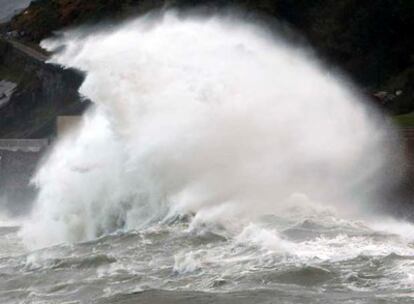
(320, 259)
(219, 164)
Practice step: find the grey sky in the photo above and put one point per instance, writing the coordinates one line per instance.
(9, 7)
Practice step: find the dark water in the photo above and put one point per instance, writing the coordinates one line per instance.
(316, 260)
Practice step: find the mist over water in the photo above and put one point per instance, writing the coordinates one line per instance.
(210, 117)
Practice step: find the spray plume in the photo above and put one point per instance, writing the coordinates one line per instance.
(203, 116)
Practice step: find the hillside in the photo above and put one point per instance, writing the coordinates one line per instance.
(369, 40)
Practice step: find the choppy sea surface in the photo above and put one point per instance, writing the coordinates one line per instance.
(319, 259)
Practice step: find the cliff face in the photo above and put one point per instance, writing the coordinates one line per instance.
(43, 92)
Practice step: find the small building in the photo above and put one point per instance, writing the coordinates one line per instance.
(66, 124)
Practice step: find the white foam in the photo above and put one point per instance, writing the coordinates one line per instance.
(210, 116)
(186, 262)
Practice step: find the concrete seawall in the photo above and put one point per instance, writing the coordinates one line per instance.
(18, 162)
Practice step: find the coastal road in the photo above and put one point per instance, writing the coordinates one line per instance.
(29, 51)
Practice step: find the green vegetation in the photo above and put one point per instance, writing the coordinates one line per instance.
(406, 120)
(13, 75)
(405, 81)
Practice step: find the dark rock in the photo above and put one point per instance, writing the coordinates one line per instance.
(44, 91)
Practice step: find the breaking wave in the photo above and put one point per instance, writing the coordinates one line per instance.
(211, 120)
